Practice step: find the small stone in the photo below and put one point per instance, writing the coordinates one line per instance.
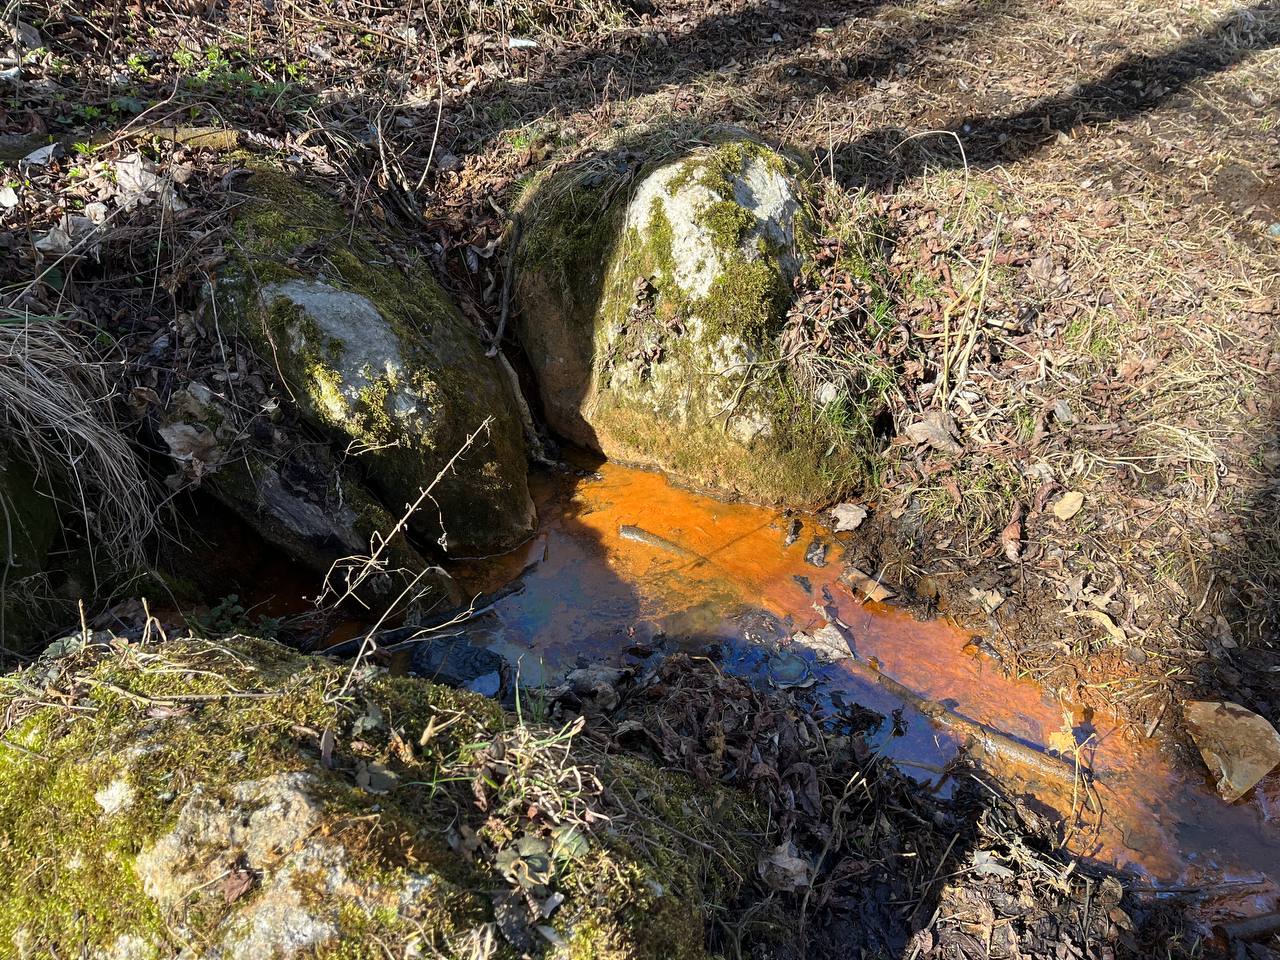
(816, 555)
(787, 671)
(1238, 746)
(793, 532)
(848, 516)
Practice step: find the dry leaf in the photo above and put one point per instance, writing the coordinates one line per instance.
(236, 884)
(1011, 536)
(1237, 745)
(375, 778)
(848, 516)
(783, 870)
(828, 643)
(326, 747)
(189, 442)
(864, 586)
(1103, 620)
(1068, 505)
(989, 600)
(937, 429)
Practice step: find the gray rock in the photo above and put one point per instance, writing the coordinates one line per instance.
(654, 327)
(386, 363)
(364, 351)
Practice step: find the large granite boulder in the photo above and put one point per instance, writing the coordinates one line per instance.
(379, 356)
(652, 321)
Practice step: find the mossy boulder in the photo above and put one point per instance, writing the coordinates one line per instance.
(292, 491)
(223, 799)
(652, 321)
(375, 352)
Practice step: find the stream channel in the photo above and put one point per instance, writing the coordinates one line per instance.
(622, 556)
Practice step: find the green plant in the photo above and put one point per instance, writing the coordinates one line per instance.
(229, 618)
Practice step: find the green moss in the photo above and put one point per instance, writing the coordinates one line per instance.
(66, 871)
(746, 300)
(727, 223)
(196, 716)
(569, 235)
(806, 460)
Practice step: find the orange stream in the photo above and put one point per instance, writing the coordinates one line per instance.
(586, 588)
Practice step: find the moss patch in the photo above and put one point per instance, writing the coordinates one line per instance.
(103, 748)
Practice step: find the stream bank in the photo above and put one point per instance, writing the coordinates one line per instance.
(627, 570)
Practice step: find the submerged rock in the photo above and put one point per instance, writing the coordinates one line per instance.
(206, 801)
(653, 324)
(381, 358)
(1238, 746)
(453, 660)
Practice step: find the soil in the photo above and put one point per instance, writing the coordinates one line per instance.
(1073, 210)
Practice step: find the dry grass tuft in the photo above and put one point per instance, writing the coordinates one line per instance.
(55, 408)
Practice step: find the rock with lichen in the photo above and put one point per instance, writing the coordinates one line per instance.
(653, 320)
(197, 799)
(374, 352)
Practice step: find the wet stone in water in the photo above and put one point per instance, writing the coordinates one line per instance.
(816, 555)
(454, 661)
(788, 670)
(793, 532)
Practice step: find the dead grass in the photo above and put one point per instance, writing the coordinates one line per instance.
(56, 407)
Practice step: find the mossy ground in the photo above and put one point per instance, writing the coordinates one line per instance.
(192, 714)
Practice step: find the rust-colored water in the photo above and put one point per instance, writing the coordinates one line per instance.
(734, 580)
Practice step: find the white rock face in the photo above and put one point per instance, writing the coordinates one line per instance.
(272, 827)
(761, 190)
(369, 357)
